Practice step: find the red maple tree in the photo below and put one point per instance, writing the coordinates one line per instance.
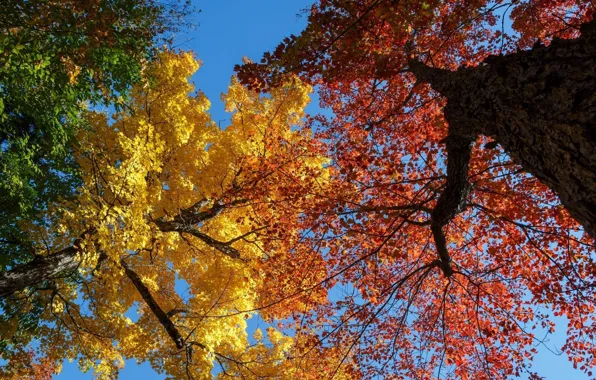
(444, 240)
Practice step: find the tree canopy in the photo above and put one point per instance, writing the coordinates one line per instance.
(434, 226)
(56, 58)
(169, 199)
(456, 253)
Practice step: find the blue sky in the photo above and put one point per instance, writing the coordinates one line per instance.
(227, 31)
(231, 29)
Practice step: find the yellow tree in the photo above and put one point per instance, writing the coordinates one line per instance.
(178, 220)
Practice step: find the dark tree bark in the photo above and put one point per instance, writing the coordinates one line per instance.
(42, 268)
(67, 261)
(540, 106)
(160, 314)
(453, 198)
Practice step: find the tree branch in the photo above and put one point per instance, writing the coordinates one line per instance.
(165, 318)
(161, 315)
(173, 226)
(452, 200)
(187, 219)
(42, 268)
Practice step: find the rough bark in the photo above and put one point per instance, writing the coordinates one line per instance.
(540, 106)
(42, 268)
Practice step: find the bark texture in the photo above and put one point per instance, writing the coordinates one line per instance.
(540, 105)
(42, 268)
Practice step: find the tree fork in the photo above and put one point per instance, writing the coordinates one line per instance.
(540, 106)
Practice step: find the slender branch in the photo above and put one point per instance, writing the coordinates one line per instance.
(223, 247)
(166, 321)
(245, 235)
(173, 312)
(159, 313)
(187, 219)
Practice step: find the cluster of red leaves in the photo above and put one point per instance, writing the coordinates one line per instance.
(25, 365)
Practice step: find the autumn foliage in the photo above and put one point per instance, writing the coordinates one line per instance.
(376, 241)
(446, 271)
(170, 199)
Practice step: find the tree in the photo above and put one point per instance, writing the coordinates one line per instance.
(541, 110)
(452, 254)
(57, 57)
(178, 220)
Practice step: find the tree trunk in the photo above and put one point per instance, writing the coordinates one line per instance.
(66, 261)
(42, 268)
(540, 105)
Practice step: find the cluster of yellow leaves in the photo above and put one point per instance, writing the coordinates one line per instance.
(160, 155)
(282, 357)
